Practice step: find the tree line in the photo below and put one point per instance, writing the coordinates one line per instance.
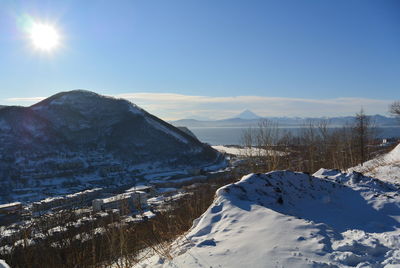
(317, 145)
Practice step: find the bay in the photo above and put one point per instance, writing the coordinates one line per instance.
(232, 135)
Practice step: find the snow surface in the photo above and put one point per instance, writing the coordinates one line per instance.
(289, 219)
(245, 151)
(3, 264)
(166, 130)
(386, 167)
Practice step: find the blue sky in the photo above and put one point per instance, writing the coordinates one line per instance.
(210, 58)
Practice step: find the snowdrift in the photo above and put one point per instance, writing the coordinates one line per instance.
(289, 219)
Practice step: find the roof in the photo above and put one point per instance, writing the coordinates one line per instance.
(116, 198)
(139, 188)
(10, 205)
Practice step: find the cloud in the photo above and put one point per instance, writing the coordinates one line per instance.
(172, 106)
(177, 106)
(30, 100)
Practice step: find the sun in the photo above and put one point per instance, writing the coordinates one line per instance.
(44, 36)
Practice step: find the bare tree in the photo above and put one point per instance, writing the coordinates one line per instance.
(248, 141)
(267, 137)
(394, 108)
(317, 145)
(260, 145)
(364, 132)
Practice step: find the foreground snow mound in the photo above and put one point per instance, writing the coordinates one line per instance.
(288, 219)
(385, 167)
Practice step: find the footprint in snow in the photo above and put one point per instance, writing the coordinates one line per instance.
(207, 243)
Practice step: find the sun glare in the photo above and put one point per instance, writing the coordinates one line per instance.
(44, 36)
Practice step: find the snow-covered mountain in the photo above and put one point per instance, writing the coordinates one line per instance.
(290, 219)
(80, 133)
(247, 114)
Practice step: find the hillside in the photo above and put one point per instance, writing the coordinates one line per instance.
(81, 139)
(290, 219)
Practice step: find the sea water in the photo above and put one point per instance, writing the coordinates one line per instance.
(233, 135)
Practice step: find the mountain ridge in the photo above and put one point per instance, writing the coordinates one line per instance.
(380, 120)
(80, 136)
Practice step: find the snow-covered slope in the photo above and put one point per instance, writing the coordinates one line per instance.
(288, 219)
(385, 167)
(238, 151)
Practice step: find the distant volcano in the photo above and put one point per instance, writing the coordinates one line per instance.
(247, 114)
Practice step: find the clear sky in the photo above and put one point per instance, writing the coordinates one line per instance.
(209, 58)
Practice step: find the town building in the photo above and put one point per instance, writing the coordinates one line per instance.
(125, 203)
(11, 208)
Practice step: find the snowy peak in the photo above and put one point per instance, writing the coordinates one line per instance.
(247, 114)
(86, 102)
(69, 97)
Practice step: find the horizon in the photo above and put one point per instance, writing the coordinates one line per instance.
(232, 114)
